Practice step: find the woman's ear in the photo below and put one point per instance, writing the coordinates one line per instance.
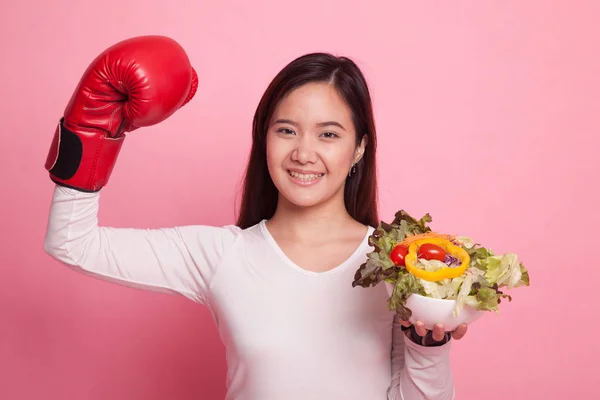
(360, 149)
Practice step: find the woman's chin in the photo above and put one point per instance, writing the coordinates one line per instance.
(303, 198)
(303, 201)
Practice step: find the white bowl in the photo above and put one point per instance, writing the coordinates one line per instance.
(432, 311)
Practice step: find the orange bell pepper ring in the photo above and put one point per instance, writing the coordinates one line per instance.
(442, 273)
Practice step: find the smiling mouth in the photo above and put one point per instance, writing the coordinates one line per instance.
(304, 177)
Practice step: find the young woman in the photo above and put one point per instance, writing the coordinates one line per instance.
(279, 281)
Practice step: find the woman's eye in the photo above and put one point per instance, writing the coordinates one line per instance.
(285, 131)
(330, 135)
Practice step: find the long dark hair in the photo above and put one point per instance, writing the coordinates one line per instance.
(259, 196)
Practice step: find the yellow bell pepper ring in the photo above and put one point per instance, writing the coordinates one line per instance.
(443, 273)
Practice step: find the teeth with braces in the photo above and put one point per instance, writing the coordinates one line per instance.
(305, 177)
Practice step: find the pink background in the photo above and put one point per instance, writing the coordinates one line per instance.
(518, 84)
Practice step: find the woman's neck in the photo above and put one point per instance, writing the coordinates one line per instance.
(311, 223)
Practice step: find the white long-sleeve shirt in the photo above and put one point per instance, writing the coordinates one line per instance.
(289, 333)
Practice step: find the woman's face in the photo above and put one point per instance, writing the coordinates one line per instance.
(311, 145)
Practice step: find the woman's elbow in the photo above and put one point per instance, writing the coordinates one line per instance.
(55, 247)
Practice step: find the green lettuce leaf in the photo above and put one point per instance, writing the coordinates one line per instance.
(487, 299)
(524, 277)
(406, 285)
(504, 270)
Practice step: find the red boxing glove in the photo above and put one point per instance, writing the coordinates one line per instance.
(137, 82)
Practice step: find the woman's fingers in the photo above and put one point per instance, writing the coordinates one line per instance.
(438, 332)
(420, 328)
(459, 332)
(405, 323)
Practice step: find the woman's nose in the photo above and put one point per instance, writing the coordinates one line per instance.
(305, 151)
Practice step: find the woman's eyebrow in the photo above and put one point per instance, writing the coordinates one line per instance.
(330, 123)
(285, 121)
(319, 125)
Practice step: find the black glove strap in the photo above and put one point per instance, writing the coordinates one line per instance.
(70, 153)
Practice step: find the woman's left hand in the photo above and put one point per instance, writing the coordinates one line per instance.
(438, 334)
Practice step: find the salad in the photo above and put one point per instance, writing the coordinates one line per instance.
(413, 259)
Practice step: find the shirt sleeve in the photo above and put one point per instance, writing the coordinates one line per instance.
(178, 260)
(419, 372)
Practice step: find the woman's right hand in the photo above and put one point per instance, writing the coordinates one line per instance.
(134, 83)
